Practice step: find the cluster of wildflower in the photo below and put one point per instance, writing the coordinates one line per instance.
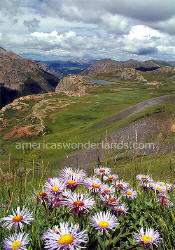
(101, 188)
(17, 220)
(161, 189)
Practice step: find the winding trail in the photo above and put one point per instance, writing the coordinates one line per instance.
(139, 130)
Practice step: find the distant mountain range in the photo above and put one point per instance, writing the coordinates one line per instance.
(131, 70)
(62, 68)
(92, 67)
(108, 65)
(21, 77)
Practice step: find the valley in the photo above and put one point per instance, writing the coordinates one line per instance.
(58, 118)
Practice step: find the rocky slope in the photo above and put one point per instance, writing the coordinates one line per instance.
(19, 77)
(27, 116)
(129, 74)
(74, 85)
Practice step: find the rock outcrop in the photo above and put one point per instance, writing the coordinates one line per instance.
(130, 74)
(74, 85)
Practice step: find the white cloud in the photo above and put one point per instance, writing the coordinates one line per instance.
(115, 24)
(117, 29)
(141, 32)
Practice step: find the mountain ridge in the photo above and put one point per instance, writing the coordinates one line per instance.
(108, 65)
(23, 76)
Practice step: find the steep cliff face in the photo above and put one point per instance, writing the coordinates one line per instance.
(74, 85)
(20, 77)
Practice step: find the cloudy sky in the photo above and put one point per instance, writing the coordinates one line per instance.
(117, 29)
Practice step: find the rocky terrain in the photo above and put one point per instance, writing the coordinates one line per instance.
(30, 114)
(19, 77)
(74, 85)
(129, 74)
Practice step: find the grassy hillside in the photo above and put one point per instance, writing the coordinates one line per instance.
(55, 118)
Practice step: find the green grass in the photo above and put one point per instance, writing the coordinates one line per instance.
(76, 122)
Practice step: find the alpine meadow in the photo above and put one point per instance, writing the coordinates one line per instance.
(87, 125)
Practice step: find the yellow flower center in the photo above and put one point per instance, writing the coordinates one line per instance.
(43, 194)
(78, 203)
(103, 224)
(118, 208)
(55, 189)
(16, 244)
(66, 239)
(146, 238)
(17, 218)
(112, 199)
(119, 185)
(163, 201)
(71, 182)
(106, 191)
(159, 189)
(144, 178)
(110, 177)
(95, 185)
(128, 192)
(102, 170)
